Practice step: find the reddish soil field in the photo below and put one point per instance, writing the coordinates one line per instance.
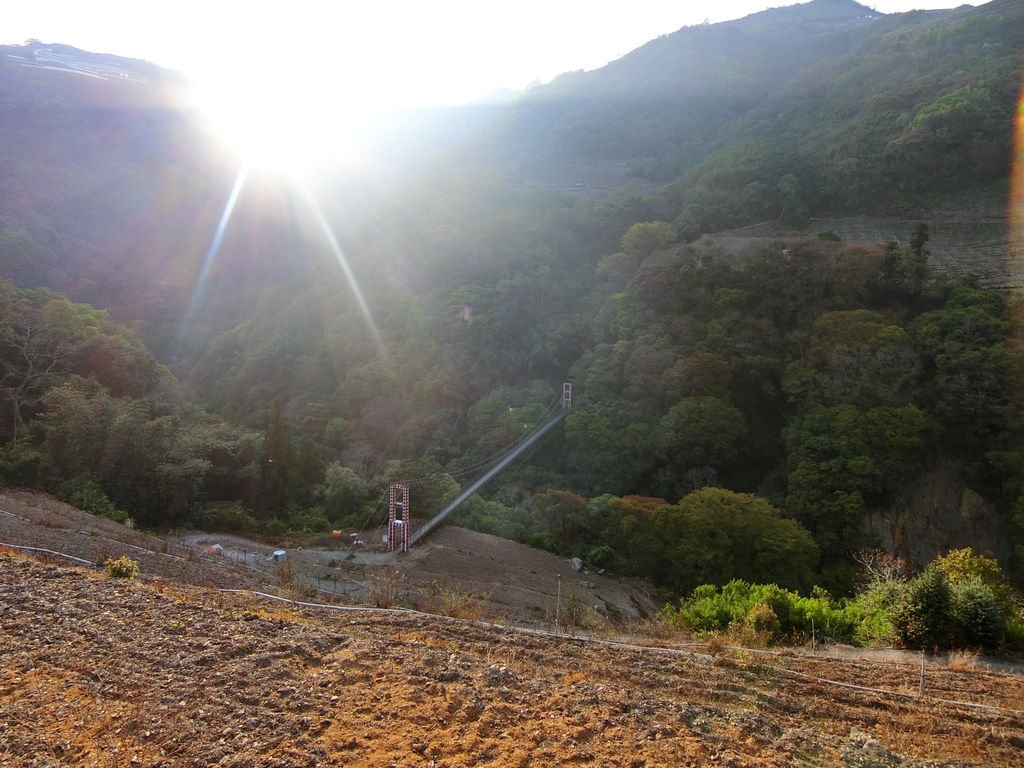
(104, 672)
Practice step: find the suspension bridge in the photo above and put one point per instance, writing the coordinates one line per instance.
(399, 534)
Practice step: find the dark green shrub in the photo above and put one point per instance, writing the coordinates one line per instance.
(977, 618)
(601, 556)
(963, 565)
(227, 516)
(1014, 640)
(21, 466)
(542, 541)
(275, 528)
(921, 614)
(311, 520)
(89, 496)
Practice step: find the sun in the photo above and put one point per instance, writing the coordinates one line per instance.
(284, 119)
(306, 86)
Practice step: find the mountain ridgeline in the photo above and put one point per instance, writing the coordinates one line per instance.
(765, 410)
(825, 106)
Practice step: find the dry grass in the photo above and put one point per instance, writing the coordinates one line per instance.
(448, 599)
(387, 589)
(963, 660)
(657, 630)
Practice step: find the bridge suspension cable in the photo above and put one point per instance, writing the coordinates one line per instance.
(497, 461)
(498, 455)
(494, 457)
(477, 484)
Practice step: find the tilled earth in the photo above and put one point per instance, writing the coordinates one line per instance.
(102, 672)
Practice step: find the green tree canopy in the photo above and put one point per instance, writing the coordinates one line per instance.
(702, 431)
(646, 237)
(714, 535)
(843, 459)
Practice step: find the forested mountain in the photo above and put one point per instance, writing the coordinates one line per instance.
(329, 341)
(664, 107)
(108, 191)
(822, 106)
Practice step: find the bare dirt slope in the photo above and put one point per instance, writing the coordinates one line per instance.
(453, 570)
(30, 519)
(517, 581)
(103, 672)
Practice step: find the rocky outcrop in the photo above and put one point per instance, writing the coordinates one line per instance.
(939, 513)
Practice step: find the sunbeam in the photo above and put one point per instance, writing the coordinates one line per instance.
(339, 256)
(210, 255)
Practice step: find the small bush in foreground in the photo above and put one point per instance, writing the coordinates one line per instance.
(974, 608)
(122, 567)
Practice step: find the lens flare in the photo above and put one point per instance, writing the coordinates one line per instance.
(210, 258)
(1017, 188)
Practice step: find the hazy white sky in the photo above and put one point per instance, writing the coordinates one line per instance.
(290, 83)
(413, 50)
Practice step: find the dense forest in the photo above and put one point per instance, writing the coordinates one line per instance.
(824, 378)
(767, 414)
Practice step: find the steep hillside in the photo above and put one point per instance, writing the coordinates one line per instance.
(329, 342)
(821, 106)
(111, 189)
(919, 110)
(116, 191)
(455, 571)
(662, 108)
